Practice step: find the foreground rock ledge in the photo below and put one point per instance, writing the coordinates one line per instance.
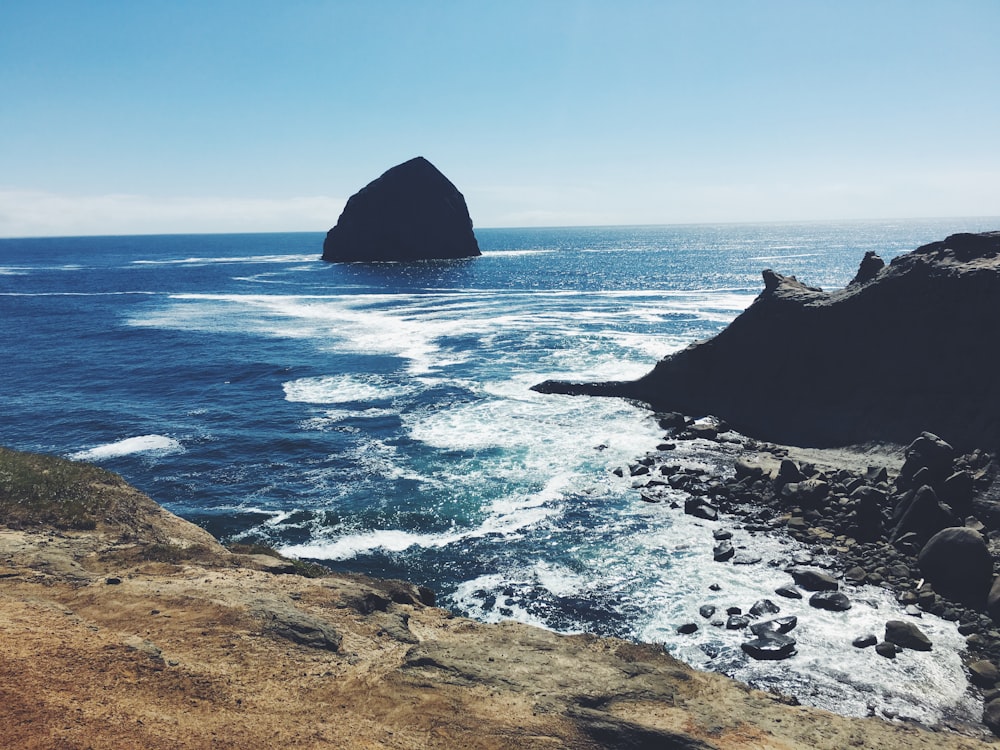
(143, 632)
(411, 212)
(904, 348)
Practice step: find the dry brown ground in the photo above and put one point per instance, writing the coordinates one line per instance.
(196, 653)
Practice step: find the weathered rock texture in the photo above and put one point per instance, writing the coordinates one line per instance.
(143, 632)
(412, 212)
(908, 347)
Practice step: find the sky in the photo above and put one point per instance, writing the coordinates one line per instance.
(164, 116)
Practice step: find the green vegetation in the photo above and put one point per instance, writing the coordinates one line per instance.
(44, 490)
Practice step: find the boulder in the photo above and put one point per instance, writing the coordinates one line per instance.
(814, 580)
(699, 508)
(928, 452)
(723, 551)
(906, 635)
(864, 641)
(916, 326)
(412, 212)
(923, 515)
(983, 673)
(764, 607)
(789, 592)
(834, 601)
(886, 649)
(771, 646)
(958, 564)
(777, 625)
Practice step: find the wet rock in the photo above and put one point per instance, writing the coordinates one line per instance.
(706, 610)
(864, 641)
(722, 535)
(688, 628)
(983, 673)
(737, 622)
(746, 558)
(699, 508)
(886, 649)
(906, 635)
(764, 607)
(958, 563)
(834, 601)
(773, 646)
(789, 592)
(723, 551)
(814, 580)
(855, 574)
(777, 625)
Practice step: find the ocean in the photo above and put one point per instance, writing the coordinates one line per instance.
(379, 418)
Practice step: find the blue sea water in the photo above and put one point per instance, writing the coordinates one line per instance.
(379, 418)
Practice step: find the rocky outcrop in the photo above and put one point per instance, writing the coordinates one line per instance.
(905, 348)
(129, 627)
(412, 212)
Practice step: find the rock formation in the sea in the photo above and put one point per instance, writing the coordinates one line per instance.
(412, 212)
(908, 347)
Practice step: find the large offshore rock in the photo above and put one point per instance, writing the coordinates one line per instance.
(903, 351)
(412, 212)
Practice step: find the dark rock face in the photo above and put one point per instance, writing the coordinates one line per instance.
(771, 646)
(906, 635)
(905, 351)
(958, 564)
(412, 212)
(834, 601)
(814, 580)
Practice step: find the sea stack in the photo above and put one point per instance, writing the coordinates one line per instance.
(412, 212)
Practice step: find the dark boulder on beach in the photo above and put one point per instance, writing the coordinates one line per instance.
(412, 212)
(906, 635)
(905, 349)
(958, 564)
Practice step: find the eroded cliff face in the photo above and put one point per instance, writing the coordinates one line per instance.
(143, 632)
(908, 347)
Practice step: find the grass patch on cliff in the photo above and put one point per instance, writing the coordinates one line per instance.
(45, 490)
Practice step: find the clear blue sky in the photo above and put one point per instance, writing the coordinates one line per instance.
(211, 115)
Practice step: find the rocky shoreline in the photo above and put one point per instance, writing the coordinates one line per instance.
(919, 521)
(121, 625)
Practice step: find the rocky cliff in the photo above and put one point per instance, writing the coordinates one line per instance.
(123, 626)
(904, 348)
(411, 212)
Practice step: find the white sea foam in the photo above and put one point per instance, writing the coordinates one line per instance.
(340, 389)
(141, 444)
(198, 261)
